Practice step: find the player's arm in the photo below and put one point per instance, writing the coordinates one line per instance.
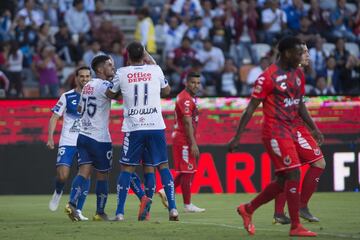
(165, 92)
(113, 91)
(52, 125)
(245, 118)
(113, 95)
(148, 59)
(305, 115)
(189, 131)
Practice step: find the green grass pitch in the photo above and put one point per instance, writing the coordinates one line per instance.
(28, 217)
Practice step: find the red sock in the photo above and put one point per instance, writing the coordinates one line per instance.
(293, 199)
(310, 182)
(280, 201)
(268, 194)
(177, 180)
(186, 187)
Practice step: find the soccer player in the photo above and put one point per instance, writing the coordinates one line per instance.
(94, 141)
(280, 88)
(67, 152)
(185, 149)
(141, 87)
(309, 153)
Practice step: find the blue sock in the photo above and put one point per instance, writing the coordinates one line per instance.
(168, 184)
(59, 186)
(122, 188)
(102, 190)
(84, 193)
(149, 184)
(76, 186)
(135, 185)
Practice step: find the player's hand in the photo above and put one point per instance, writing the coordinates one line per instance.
(195, 151)
(319, 137)
(233, 144)
(50, 143)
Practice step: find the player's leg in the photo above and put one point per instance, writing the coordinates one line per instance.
(82, 198)
(186, 192)
(135, 185)
(123, 185)
(279, 214)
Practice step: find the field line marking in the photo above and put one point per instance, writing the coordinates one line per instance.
(339, 235)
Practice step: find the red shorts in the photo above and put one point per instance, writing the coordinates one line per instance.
(184, 161)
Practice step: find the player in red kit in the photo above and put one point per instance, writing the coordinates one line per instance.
(185, 148)
(280, 89)
(309, 153)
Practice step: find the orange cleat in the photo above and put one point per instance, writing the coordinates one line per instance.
(248, 225)
(300, 231)
(144, 209)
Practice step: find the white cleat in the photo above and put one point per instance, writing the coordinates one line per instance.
(54, 202)
(173, 215)
(81, 217)
(163, 198)
(191, 208)
(118, 218)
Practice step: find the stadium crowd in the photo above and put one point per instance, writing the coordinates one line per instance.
(230, 42)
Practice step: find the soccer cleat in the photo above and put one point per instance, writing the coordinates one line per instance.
(81, 217)
(163, 198)
(300, 231)
(70, 210)
(305, 214)
(101, 217)
(144, 209)
(173, 215)
(248, 225)
(191, 208)
(55, 200)
(281, 219)
(118, 218)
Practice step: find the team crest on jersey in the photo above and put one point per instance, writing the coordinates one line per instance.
(317, 151)
(190, 166)
(258, 89)
(298, 81)
(142, 119)
(287, 160)
(187, 110)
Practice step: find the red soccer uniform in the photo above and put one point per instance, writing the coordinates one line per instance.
(281, 92)
(185, 106)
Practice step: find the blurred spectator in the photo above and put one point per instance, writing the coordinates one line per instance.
(340, 19)
(179, 61)
(220, 35)
(356, 28)
(14, 70)
(78, 21)
(173, 34)
(32, 17)
(254, 73)
(117, 53)
(64, 6)
(318, 56)
(186, 8)
(306, 32)
(4, 85)
(145, 31)
(229, 79)
(47, 66)
(197, 32)
(319, 18)
(98, 15)
(93, 51)
(331, 74)
(44, 36)
(5, 25)
(246, 19)
(321, 87)
(350, 76)
(341, 55)
(213, 60)
(4, 52)
(50, 9)
(274, 21)
(107, 33)
(294, 13)
(89, 6)
(208, 13)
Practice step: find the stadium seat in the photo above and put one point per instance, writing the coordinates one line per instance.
(353, 48)
(261, 49)
(327, 4)
(328, 48)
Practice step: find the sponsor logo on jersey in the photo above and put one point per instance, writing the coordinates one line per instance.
(89, 90)
(290, 101)
(74, 102)
(283, 85)
(187, 103)
(287, 160)
(138, 77)
(76, 126)
(142, 111)
(298, 81)
(260, 80)
(281, 78)
(292, 190)
(190, 166)
(185, 154)
(56, 108)
(317, 152)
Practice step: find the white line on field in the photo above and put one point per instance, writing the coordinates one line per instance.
(339, 235)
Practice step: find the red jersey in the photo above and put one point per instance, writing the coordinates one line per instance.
(281, 92)
(185, 106)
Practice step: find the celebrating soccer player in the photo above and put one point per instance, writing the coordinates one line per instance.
(67, 152)
(280, 88)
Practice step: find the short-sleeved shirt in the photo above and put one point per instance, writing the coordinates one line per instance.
(185, 107)
(281, 92)
(140, 87)
(66, 106)
(95, 110)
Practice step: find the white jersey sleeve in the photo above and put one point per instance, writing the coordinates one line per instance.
(163, 82)
(60, 106)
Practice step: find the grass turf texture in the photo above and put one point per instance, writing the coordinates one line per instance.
(28, 217)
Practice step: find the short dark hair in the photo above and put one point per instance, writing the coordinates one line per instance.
(98, 61)
(135, 51)
(288, 42)
(77, 2)
(82, 68)
(192, 75)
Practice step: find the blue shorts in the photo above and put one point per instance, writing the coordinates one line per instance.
(148, 145)
(98, 154)
(66, 155)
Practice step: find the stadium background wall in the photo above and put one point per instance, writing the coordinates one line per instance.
(29, 169)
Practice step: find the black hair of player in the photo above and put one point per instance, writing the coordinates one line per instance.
(135, 51)
(99, 61)
(288, 43)
(82, 68)
(192, 75)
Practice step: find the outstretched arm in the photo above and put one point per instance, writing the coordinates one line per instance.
(305, 115)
